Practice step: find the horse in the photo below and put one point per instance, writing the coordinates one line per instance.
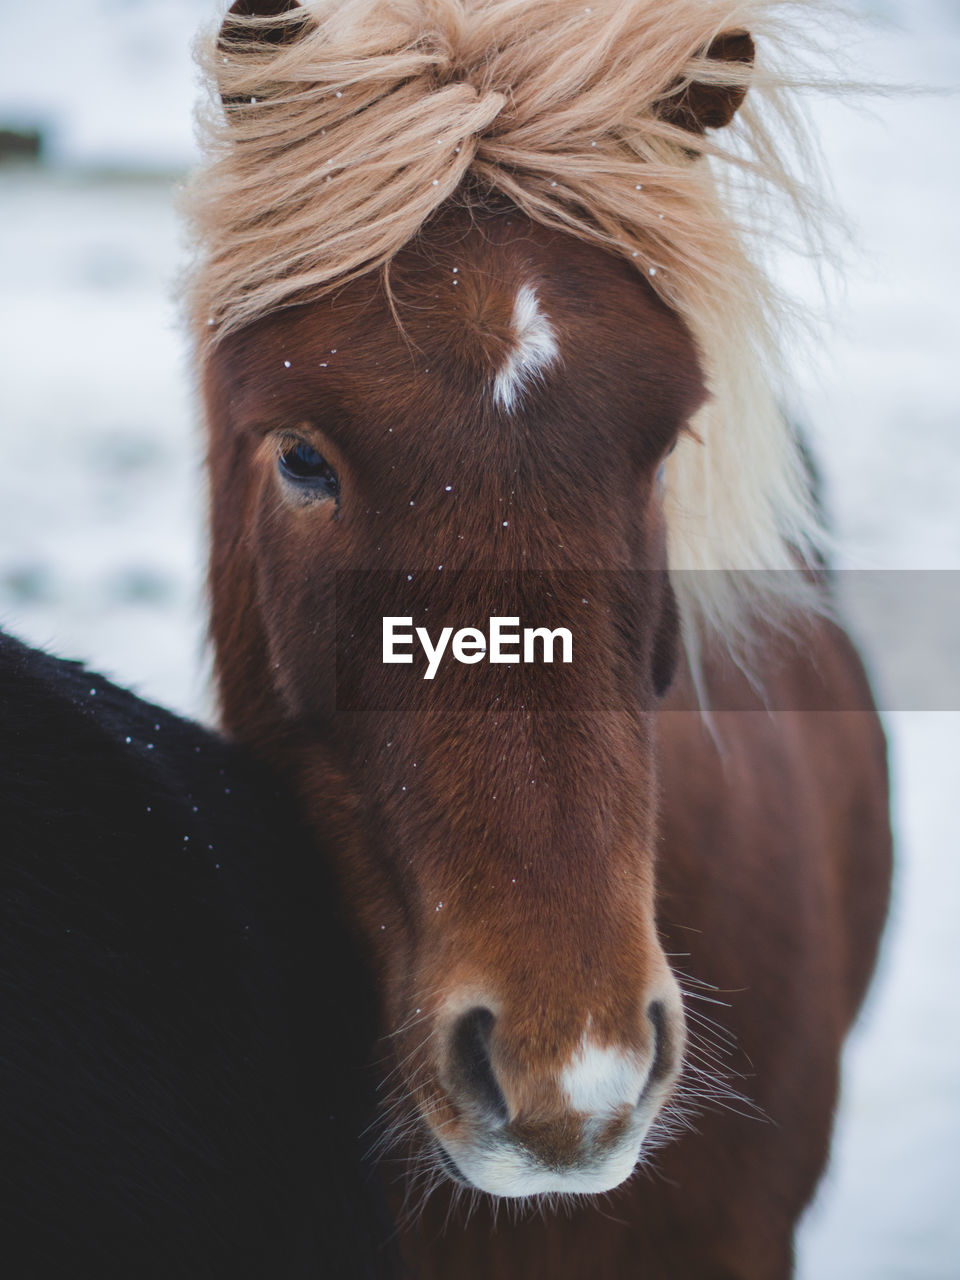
(485, 342)
(166, 1107)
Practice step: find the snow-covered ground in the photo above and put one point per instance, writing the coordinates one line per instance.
(101, 494)
(101, 497)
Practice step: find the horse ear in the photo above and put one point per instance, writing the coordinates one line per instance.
(702, 105)
(280, 33)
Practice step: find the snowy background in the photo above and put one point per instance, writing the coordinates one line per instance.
(101, 496)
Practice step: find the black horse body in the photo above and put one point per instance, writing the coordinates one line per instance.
(184, 1021)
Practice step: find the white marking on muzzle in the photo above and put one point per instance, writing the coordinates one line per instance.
(598, 1080)
(508, 1171)
(535, 349)
(599, 1083)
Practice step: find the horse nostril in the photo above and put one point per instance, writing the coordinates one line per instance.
(471, 1070)
(662, 1063)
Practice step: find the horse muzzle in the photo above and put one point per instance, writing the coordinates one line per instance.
(515, 1128)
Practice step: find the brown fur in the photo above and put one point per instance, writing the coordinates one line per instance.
(543, 822)
(772, 882)
(532, 854)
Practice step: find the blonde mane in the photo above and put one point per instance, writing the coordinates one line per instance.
(342, 140)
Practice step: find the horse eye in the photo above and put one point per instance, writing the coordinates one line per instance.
(300, 464)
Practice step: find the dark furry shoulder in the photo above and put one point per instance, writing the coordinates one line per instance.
(185, 1021)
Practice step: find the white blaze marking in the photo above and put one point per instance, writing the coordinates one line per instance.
(598, 1079)
(535, 348)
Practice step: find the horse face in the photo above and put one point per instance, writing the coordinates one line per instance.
(494, 827)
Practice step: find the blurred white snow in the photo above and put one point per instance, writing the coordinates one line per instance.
(102, 500)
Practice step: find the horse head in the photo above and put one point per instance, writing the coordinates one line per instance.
(479, 431)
